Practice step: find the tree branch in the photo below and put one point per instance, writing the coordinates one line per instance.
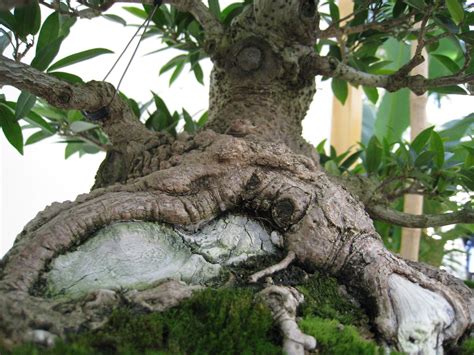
(330, 66)
(398, 218)
(120, 124)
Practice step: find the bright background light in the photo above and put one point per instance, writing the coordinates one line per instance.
(31, 182)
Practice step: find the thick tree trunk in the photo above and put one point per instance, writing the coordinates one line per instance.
(179, 197)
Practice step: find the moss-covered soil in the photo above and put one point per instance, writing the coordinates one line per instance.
(229, 321)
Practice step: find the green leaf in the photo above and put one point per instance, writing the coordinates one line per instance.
(372, 94)
(198, 73)
(448, 63)
(332, 168)
(8, 20)
(136, 11)
(81, 126)
(203, 119)
(4, 41)
(161, 106)
(417, 4)
(340, 89)
(24, 104)
(334, 11)
(28, 19)
(79, 57)
(455, 10)
(189, 125)
(38, 121)
(74, 79)
(49, 31)
(11, 128)
(438, 147)
(115, 18)
(373, 155)
(214, 7)
(72, 148)
(177, 71)
(425, 158)
(422, 139)
(173, 63)
(393, 115)
(46, 54)
(452, 90)
(38, 136)
(467, 37)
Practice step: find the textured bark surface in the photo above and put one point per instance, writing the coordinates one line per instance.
(250, 160)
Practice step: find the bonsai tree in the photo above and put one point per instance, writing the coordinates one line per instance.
(238, 199)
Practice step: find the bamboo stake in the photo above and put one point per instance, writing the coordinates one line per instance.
(410, 243)
(346, 128)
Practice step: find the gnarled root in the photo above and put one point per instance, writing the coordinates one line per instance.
(283, 302)
(282, 265)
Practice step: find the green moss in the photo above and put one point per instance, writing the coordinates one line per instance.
(467, 347)
(226, 321)
(336, 339)
(469, 283)
(323, 299)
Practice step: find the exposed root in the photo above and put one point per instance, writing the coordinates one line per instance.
(274, 268)
(283, 302)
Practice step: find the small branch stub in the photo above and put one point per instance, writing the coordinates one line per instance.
(250, 58)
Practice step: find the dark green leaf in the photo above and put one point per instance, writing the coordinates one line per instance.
(189, 125)
(467, 37)
(173, 63)
(425, 158)
(161, 106)
(334, 11)
(203, 119)
(399, 7)
(417, 4)
(11, 128)
(47, 54)
(454, 90)
(177, 71)
(79, 57)
(372, 94)
(72, 148)
(49, 31)
(438, 147)
(230, 12)
(214, 7)
(38, 121)
(421, 139)
(136, 11)
(373, 155)
(74, 79)
(198, 73)
(115, 18)
(8, 20)
(455, 10)
(37, 136)
(28, 19)
(340, 89)
(24, 104)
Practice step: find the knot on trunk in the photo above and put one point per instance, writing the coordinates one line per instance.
(290, 207)
(250, 58)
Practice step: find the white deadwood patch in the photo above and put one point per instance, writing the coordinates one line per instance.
(422, 316)
(139, 254)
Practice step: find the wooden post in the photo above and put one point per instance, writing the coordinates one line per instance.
(346, 128)
(410, 243)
